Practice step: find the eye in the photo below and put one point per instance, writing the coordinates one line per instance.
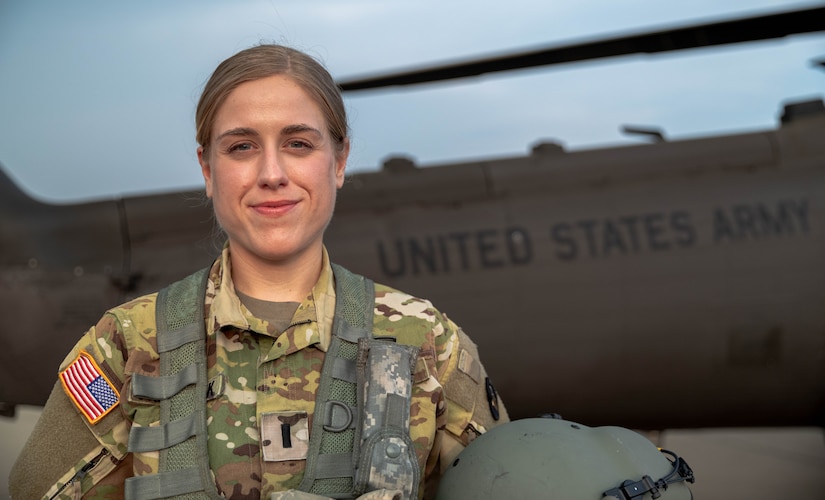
(240, 146)
(298, 144)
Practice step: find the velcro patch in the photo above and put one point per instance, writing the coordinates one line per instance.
(468, 364)
(216, 387)
(88, 387)
(285, 435)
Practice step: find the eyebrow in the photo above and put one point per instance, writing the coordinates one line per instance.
(239, 131)
(301, 127)
(289, 129)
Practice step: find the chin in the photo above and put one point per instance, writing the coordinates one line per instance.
(280, 253)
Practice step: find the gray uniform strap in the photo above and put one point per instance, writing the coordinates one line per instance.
(387, 457)
(331, 458)
(184, 472)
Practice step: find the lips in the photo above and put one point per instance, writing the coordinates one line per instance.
(275, 207)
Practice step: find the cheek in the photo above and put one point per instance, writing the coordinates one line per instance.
(224, 183)
(222, 191)
(333, 187)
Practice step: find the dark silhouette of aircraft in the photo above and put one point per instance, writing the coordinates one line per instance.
(674, 284)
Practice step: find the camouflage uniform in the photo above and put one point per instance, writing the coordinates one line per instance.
(259, 377)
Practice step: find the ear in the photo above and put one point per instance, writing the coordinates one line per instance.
(341, 164)
(206, 170)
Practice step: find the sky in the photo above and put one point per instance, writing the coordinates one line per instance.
(97, 98)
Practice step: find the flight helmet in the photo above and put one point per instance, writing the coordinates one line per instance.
(551, 458)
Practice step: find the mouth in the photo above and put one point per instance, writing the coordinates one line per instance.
(274, 208)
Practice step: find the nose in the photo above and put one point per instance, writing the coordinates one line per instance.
(271, 171)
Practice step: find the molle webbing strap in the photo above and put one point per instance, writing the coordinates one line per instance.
(163, 387)
(184, 472)
(332, 454)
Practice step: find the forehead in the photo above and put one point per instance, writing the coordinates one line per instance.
(271, 99)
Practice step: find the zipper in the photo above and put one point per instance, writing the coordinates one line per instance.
(79, 475)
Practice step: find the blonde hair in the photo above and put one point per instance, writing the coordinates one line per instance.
(263, 61)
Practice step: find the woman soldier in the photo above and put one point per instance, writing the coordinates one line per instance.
(274, 373)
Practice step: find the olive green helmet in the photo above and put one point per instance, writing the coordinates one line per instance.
(556, 459)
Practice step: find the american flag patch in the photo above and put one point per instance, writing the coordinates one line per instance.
(92, 393)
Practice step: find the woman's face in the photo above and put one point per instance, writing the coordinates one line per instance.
(272, 171)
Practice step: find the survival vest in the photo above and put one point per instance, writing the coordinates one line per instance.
(359, 439)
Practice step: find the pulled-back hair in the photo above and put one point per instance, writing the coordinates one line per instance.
(268, 60)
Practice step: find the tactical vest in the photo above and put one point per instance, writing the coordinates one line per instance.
(359, 439)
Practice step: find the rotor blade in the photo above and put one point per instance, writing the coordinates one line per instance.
(775, 25)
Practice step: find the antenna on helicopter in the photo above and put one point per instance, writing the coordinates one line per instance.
(654, 133)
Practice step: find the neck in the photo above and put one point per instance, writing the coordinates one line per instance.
(288, 281)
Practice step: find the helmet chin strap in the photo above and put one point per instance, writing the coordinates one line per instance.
(631, 490)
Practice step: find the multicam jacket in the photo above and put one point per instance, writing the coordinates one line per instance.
(255, 371)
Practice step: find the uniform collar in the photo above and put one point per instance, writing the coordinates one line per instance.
(316, 311)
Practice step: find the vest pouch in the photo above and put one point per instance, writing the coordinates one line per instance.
(388, 460)
(386, 455)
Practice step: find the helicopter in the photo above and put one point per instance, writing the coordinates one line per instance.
(677, 283)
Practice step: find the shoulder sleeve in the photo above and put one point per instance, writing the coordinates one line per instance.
(467, 404)
(473, 404)
(81, 436)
